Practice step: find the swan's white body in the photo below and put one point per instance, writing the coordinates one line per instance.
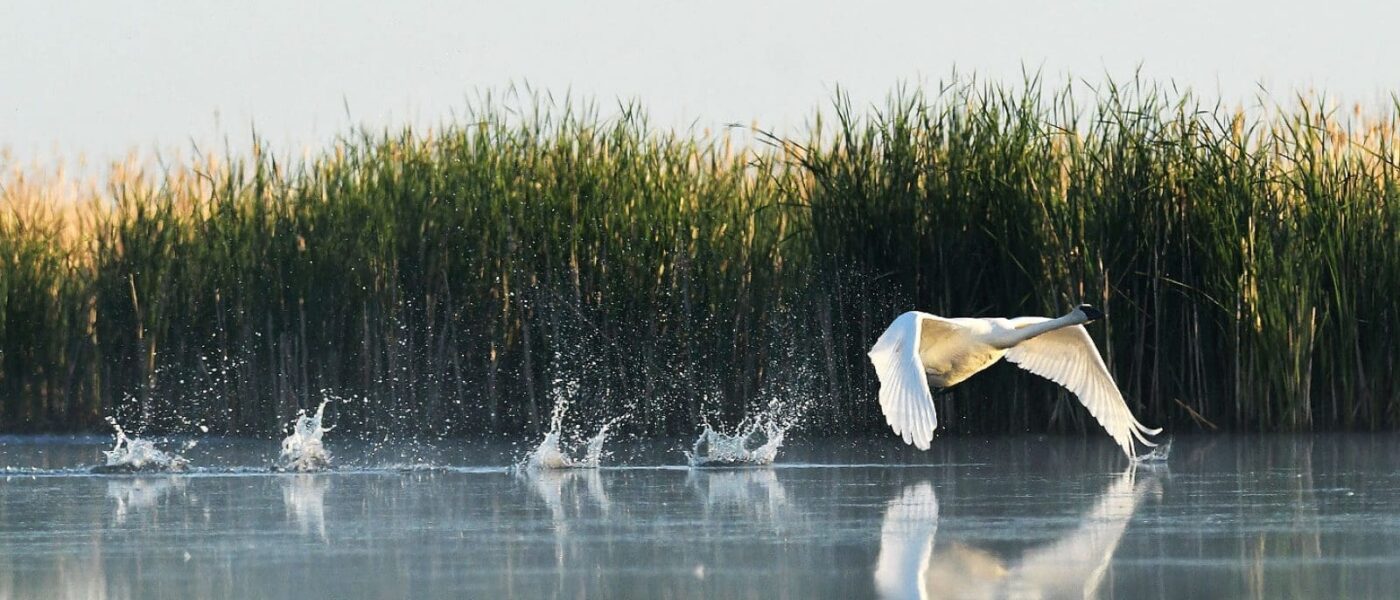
(919, 348)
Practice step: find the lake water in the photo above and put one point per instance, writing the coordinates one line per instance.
(1225, 517)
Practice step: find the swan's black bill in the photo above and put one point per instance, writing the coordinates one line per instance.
(1092, 313)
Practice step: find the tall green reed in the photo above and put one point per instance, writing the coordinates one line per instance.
(463, 280)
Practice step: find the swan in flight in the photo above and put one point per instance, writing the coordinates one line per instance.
(919, 348)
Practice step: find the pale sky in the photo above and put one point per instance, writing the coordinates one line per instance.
(102, 78)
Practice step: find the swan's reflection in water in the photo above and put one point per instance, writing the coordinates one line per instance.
(909, 565)
(135, 494)
(754, 490)
(304, 496)
(569, 492)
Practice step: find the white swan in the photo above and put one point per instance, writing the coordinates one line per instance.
(919, 348)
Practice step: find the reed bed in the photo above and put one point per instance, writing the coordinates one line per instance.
(464, 280)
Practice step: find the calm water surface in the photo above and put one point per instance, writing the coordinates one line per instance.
(1226, 517)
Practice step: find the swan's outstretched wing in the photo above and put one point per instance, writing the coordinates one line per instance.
(906, 542)
(1067, 356)
(904, 393)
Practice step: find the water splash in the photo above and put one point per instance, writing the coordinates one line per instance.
(302, 451)
(550, 455)
(138, 456)
(754, 442)
(758, 438)
(717, 448)
(1157, 455)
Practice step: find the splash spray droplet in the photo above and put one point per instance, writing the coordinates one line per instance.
(303, 451)
(549, 454)
(755, 441)
(718, 449)
(135, 455)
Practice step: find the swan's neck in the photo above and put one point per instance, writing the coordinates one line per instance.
(1075, 317)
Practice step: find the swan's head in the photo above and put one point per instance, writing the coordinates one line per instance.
(1090, 313)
